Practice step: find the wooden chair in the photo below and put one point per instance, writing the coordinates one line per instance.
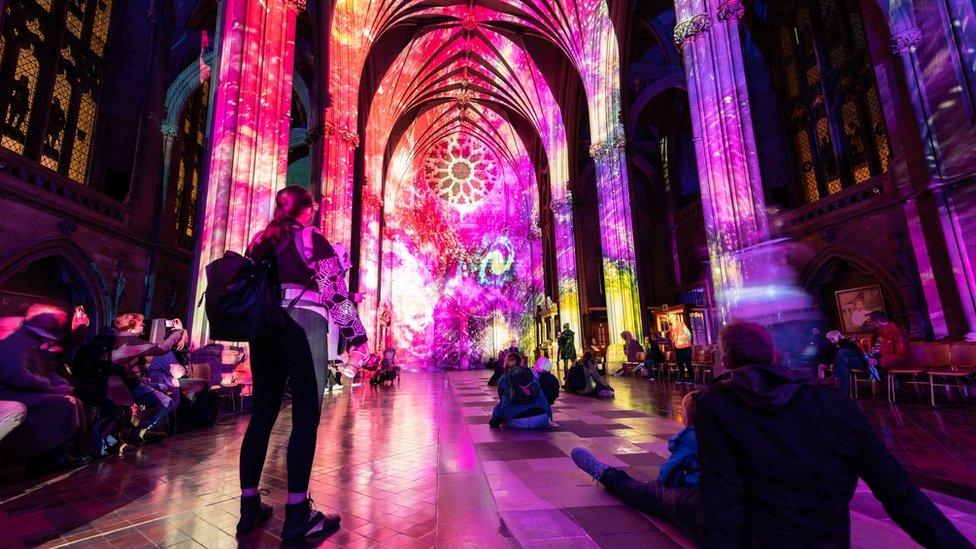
(955, 363)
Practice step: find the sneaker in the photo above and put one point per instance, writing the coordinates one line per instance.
(606, 393)
(253, 513)
(303, 521)
(585, 460)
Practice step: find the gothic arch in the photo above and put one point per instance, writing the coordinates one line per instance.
(81, 267)
(194, 74)
(825, 259)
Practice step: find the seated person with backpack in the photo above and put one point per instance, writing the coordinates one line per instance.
(388, 370)
(675, 494)
(522, 404)
(583, 378)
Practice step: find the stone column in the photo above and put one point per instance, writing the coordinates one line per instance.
(708, 34)
(168, 131)
(565, 246)
(905, 40)
(249, 131)
(341, 142)
(617, 242)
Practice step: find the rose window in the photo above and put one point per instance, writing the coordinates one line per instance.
(461, 171)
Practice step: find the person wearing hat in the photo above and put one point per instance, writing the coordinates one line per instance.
(53, 415)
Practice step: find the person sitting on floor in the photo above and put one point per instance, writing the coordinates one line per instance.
(583, 378)
(547, 381)
(54, 416)
(521, 402)
(780, 456)
(388, 370)
(674, 495)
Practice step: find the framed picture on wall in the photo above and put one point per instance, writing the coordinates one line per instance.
(855, 304)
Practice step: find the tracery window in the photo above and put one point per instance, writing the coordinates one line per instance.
(50, 60)
(831, 107)
(190, 158)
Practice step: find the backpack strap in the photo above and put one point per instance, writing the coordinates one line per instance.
(311, 280)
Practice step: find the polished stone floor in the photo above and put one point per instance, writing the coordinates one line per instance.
(417, 466)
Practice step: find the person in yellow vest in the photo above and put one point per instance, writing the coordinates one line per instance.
(681, 342)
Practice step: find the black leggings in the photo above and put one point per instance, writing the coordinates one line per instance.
(283, 357)
(681, 505)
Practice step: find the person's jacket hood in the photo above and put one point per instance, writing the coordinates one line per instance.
(767, 388)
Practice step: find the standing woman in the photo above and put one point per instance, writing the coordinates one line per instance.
(307, 268)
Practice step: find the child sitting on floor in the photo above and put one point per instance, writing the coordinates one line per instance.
(675, 494)
(388, 370)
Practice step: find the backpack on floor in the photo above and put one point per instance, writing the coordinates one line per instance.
(522, 386)
(201, 411)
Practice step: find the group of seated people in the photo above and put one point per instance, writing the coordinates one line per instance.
(886, 347)
(526, 395)
(63, 391)
(770, 457)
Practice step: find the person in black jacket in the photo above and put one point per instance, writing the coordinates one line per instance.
(780, 456)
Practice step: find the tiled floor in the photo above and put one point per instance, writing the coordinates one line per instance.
(546, 501)
(418, 466)
(396, 463)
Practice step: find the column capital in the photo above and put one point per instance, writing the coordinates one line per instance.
(615, 142)
(906, 40)
(169, 131)
(690, 28)
(344, 134)
(731, 11)
(297, 5)
(562, 206)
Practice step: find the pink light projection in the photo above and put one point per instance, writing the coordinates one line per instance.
(488, 68)
(449, 76)
(461, 270)
(250, 130)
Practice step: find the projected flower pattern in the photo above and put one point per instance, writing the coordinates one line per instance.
(461, 171)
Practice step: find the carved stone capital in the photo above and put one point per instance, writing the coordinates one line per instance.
(731, 11)
(297, 5)
(562, 206)
(344, 134)
(169, 131)
(906, 40)
(688, 29)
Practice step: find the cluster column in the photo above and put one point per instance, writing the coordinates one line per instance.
(565, 245)
(617, 241)
(249, 131)
(905, 40)
(708, 35)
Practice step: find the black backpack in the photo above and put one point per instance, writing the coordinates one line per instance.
(242, 299)
(522, 386)
(575, 378)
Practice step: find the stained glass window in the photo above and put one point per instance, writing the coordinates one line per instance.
(191, 148)
(50, 61)
(824, 75)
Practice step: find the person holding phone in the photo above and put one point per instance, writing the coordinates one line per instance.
(309, 270)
